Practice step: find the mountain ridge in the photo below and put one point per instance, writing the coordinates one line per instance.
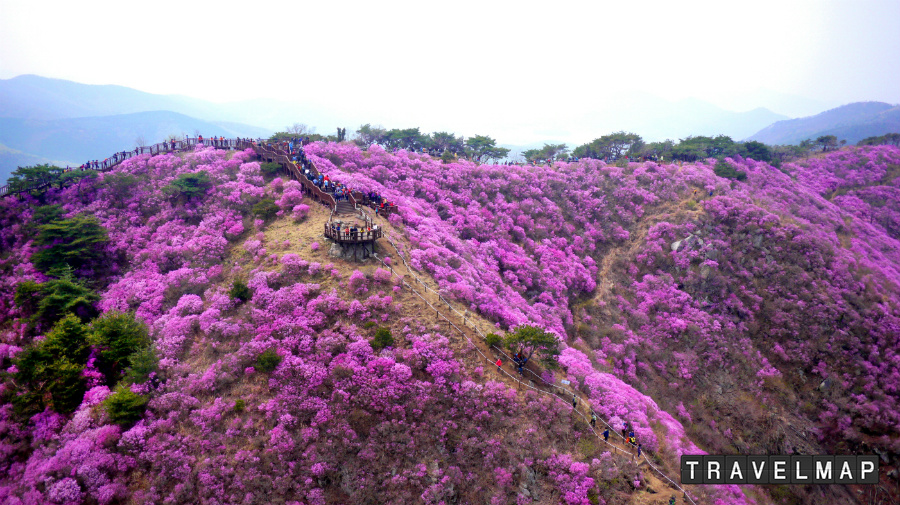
(851, 122)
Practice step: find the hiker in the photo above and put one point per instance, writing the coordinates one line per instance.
(574, 401)
(499, 363)
(639, 450)
(672, 500)
(606, 435)
(593, 420)
(625, 431)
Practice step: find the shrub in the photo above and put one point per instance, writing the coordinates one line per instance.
(125, 406)
(240, 291)
(117, 336)
(382, 339)
(369, 324)
(46, 214)
(189, 185)
(724, 169)
(268, 361)
(50, 301)
(265, 209)
(143, 363)
(49, 373)
(121, 186)
(270, 169)
(299, 212)
(239, 405)
(530, 340)
(75, 243)
(493, 340)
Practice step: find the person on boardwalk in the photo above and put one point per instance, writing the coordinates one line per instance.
(606, 435)
(593, 420)
(499, 364)
(625, 431)
(672, 500)
(639, 450)
(574, 402)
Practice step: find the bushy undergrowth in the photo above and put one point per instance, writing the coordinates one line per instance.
(764, 288)
(667, 317)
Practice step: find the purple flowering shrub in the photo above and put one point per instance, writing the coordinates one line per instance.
(687, 314)
(717, 295)
(334, 421)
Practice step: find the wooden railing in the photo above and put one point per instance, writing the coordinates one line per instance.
(351, 234)
(106, 164)
(275, 155)
(270, 152)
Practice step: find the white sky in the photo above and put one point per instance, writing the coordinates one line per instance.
(401, 61)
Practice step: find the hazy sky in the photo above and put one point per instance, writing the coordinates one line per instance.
(401, 61)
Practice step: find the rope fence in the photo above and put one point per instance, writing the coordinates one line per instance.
(511, 376)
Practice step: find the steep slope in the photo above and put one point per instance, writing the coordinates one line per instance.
(700, 310)
(335, 421)
(780, 290)
(852, 122)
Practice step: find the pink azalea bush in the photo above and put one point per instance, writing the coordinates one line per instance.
(659, 296)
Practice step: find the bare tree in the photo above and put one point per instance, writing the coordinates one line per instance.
(299, 129)
(140, 141)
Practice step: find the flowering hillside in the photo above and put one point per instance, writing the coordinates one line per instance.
(730, 303)
(250, 373)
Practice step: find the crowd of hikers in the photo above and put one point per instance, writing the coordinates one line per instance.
(351, 231)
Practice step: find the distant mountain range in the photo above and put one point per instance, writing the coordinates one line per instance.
(76, 140)
(852, 122)
(46, 120)
(62, 122)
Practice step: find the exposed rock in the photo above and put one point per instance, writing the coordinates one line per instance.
(350, 252)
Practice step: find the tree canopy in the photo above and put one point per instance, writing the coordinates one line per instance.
(482, 148)
(530, 340)
(75, 242)
(479, 148)
(613, 146)
(45, 175)
(827, 141)
(891, 139)
(189, 185)
(547, 153)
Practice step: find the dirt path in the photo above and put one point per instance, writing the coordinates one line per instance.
(654, 489)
